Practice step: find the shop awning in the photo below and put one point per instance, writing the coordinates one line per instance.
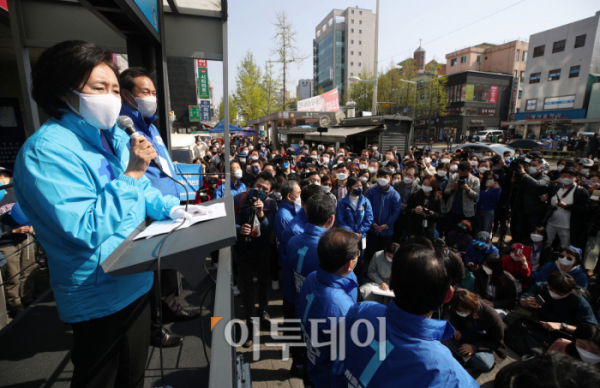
(339, 134)
(521, 122)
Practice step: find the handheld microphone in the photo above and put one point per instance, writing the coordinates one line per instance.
(126, 124)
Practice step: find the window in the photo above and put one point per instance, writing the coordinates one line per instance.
(352, 41)
(463, 59)
(351, 63)
(360, 31)
(534, 78)
(518, 56)
(352, 30)
(340, 19)
(422, 55)
(360, 42)
(530, 104)
(522, 75)
(479, 59)
(359, 64)
(559, 46)
(580, 41)
(360, 12)
(360, 22)
(352, 11)
(538, 51)
(516, 73)
(360, 53)
(554, 75)
(574, 71)
(318, 33)
(524, 56)
(351, 52)
(453, 62)
(421, 64)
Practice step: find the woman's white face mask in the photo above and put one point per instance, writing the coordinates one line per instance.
(99, 110)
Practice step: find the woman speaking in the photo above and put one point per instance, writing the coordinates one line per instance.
(84, 193)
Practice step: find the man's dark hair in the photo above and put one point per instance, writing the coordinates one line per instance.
(234, 162)
(311, 173)
(336, 248)
(392, 247)
(538, 160)
(561, 282)
(569, 170)
(411, 167)
(127, 77)
(496, 159)
(420, 278)
(319, 208)
(267, 177)
(287, 188)
(306, 182)
(341, 165)
(63, 67)
(464, 166)
(309, 190)
(384, 171)
(553, 370)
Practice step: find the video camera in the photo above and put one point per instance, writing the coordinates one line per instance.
(515, 165)
(256, 194)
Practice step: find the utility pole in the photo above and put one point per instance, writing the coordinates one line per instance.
(374, 109)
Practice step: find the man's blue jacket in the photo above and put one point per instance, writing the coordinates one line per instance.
(145, 127)
(475, 256)
(357, 219)
(294, 228)
(386, 206)
(411, 355)
(284, 216)
(220, 191)
(82, 207)
(324, 295)
(302, 254)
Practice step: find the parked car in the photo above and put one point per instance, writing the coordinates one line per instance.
(525, 144)
(487, 135)
(479, 148)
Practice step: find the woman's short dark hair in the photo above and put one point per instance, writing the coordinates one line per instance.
(352, 180)
(541, 230)
(336, 248)
(466, 300)
(561, 282)
(494, 262)
(63, 67)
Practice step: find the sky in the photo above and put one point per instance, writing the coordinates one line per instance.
(443, 25)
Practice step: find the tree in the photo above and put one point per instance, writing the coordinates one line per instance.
(232, 110)
(286, 50)
(433, 100)
(249, 95)
(360, 92)
(270, 85)
(320, 91)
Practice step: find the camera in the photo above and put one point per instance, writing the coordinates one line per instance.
(462, 182)
(255, 194)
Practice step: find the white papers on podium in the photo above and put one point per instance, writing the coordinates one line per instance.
(165, 226)
(378, 291)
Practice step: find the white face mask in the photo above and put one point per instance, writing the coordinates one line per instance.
(585, 171)
(363, 178)
(362, 166)
(483, 169)
(327, 189)
(565, 262)
(298, 202)
(554, 295)
(99, 110)
(445, 161)
(441, 173)
(372, 170)
(426, 189)
(454, 168)
(532, 170)
(566, 181)
(427, 160)
(146, 105)
(238, 174)
(250, 148)
(487, 270)
(588, 357)
(462, 314)
(473, 163)
(388, 258)
(249, 167)
(326, 160)
(382, 182)
(560, 167)
(490, 183)
(254, 158)
(536, 237)
(342, 177)
(408, 180)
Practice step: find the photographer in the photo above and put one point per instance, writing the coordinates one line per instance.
(462, 190)
(254, 219)
(528, 209)
(424, 209)
(255, 168)
(210, 184)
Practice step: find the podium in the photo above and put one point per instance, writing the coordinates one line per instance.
(185, 250)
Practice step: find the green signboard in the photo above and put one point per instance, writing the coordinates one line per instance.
(194, 113)
(470, 92)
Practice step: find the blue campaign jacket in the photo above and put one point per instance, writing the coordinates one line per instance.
(284, 216)
(294, 228)
(302, 254)
(414, 355)
(357, 219)
(242, 216)
(324, 295)
(472, 255)
(577, 273)
(220, 191)
(386, 205)
(82, 208)
(158, 179)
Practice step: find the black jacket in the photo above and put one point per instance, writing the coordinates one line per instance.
(506, 294)
(415, 221)
(487, 331)
(532, 188)
(457, 268)
(580, 215)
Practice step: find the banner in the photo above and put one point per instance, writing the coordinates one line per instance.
(205, 110)
(148, 8)
(470, 92)
(203, 91)
(493, 94)
(191, 182)
(326, 102)
(559, 102)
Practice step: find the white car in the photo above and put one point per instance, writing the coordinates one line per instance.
(479, 148)
(483, 135)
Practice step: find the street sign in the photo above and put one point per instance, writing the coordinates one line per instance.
(407, 110)
(205, 110)
(194, 113)
(203, 88)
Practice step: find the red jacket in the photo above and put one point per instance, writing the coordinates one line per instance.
(210, 194)
(515, 268)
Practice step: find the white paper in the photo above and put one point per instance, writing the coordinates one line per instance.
(165, 226)
(378, 291)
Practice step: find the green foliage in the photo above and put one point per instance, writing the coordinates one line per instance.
(249, 94)
(232, 110)
(361, 92)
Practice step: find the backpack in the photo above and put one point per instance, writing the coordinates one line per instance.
(528, 336)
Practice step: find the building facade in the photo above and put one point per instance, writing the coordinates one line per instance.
(305, 89)
(477, 101)
(563, 67)
(343, 47)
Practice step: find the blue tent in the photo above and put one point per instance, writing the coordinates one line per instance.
(220, 128)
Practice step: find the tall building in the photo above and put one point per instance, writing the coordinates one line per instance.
(305, 89)
(559, 82)
(344, 46)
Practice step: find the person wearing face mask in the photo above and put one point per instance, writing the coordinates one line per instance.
(237, 186)
(387, 205)
(424, 209)
(584, 346)
(96, 195)
(453, 167)
(426, 168)
(442, 176)
(379, 272)
(488, 198)
(554, 175)
(462, 191)
(528, 210)
(408, 186)
(477, 250)
(341, 171)
(255, 169)
(479, 331)
(496, 287)
(354, 212)
(474, 163)
(583, 166)
(569, 261)
(542, 252)
(298, 149)
(501, 209)
(200, 149)
(568, 211)
(519, 267)
(461, 237)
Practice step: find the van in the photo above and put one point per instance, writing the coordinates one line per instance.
(487, 134)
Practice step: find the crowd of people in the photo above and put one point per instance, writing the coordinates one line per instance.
(344, 227)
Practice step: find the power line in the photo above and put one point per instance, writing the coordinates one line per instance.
(452, 32)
